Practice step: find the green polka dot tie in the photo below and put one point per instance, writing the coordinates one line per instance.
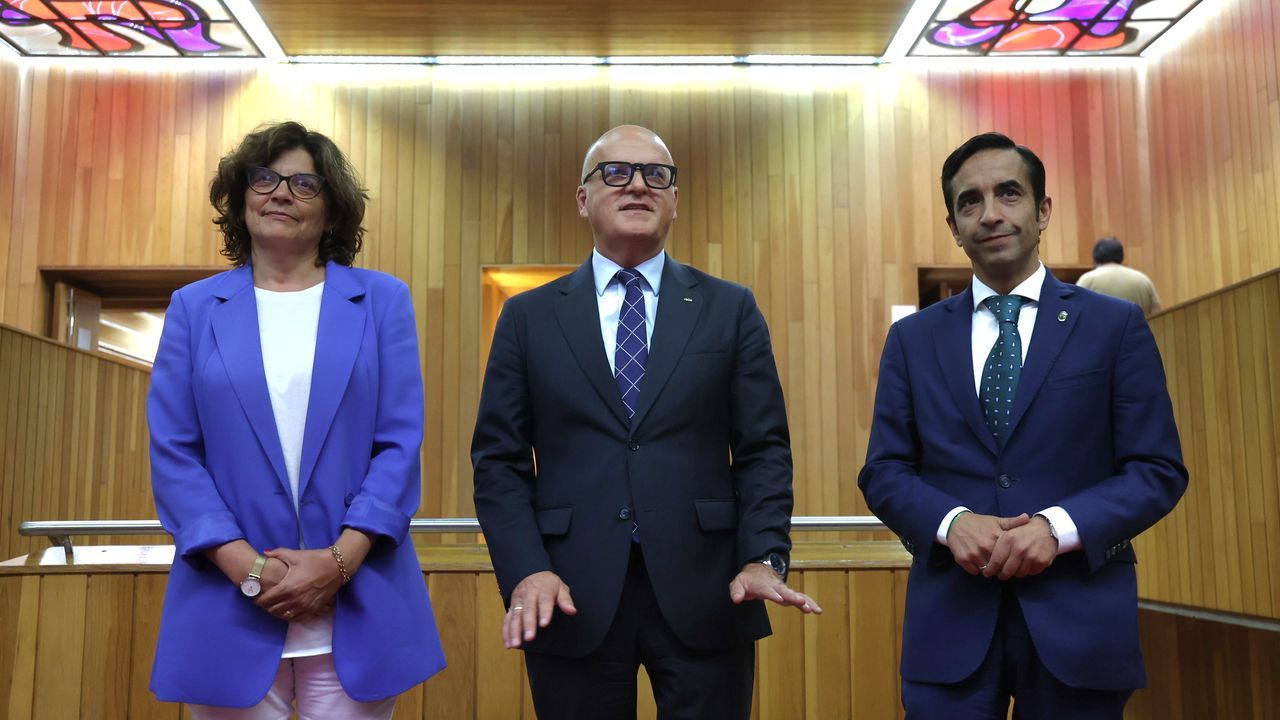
(1004, 366)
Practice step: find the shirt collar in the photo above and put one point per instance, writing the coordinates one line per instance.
(605, 269)
(1029, 288)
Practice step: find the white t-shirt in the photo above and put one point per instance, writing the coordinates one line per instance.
(287, 326)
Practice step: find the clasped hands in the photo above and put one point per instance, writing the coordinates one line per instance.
(535, 598)
(299, 584)
(1006, 548)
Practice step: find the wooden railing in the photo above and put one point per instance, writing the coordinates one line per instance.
(76, 640)
(62, 623)
(73, 437)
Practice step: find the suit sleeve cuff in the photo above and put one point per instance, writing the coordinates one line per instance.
(208, 531)
(371, 515)
(1064, 528)
(946, 524)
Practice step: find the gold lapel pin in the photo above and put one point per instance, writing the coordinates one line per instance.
(1062, 316)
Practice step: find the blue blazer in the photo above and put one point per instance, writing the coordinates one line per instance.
(1092, 431)
(218, 474)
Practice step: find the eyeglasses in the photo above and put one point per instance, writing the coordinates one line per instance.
(618, 174)
(304, 186)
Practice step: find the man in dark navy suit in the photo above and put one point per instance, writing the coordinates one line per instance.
(661, 490)
(1022, 436)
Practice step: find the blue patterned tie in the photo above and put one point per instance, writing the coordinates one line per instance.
(1004, 367)
(632, 351)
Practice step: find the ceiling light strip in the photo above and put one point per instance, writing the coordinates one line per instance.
(909, 31)
(361, 60)
(810, 60)
(627, 60)
(518, 60)
(257, 30)
(673, 60)
(1199, 16)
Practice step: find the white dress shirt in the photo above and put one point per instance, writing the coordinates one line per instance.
(985, 333)
(610, 294)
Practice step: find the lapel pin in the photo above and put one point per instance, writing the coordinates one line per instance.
(688, 299)
(1062, 316)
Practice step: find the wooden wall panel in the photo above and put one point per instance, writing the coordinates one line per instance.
(1217, 549)
(73, 438)
(1201, 669)
(1215, 153)
(816, 187)
(60, 625)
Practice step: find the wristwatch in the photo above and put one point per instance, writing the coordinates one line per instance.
(777, 562)
(1052, 530)
(252, 585)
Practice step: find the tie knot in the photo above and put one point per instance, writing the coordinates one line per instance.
(628, 276)
(1004, 307)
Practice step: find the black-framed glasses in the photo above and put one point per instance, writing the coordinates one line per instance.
(616, 173)
(304, 186)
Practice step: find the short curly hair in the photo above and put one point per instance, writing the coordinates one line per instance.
(344, 196)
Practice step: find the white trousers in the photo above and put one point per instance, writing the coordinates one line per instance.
(311, 682)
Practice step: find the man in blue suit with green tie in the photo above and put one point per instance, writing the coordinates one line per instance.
(1023, 435)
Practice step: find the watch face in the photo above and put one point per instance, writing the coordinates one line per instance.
(251, 587)
(778, 564)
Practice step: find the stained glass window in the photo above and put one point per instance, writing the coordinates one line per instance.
(1047, 27)
(120, 28)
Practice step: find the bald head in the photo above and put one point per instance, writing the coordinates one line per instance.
(629, 222)
(622, 134)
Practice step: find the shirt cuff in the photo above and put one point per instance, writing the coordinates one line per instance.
(1064, 527)
(946, 524)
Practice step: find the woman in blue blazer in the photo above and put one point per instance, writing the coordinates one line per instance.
(286, 414)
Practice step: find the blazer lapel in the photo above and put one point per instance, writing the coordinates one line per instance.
(953, 345)
(1047, 341)
(235, 330)
(338, 342)
(578, 314)
(679, 306)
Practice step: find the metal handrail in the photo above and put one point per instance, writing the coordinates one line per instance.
(60, 532)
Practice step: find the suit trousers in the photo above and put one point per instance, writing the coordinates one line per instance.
(688, 684)
(1011, 668)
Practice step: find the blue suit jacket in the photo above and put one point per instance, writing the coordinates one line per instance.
(218, 474)
(1092, 431)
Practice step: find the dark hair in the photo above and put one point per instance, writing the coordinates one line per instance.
(990, 141)
(344, 197)
(1108, 250)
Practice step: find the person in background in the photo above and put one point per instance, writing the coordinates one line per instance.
(286, 415)
(1109, 276)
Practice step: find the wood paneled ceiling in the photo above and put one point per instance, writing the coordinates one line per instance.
(583, 27)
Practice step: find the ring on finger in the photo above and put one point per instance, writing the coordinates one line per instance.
(517, 608)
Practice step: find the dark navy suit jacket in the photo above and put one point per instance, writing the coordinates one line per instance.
(704, 467)
(218, 474)
(1092, 431)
